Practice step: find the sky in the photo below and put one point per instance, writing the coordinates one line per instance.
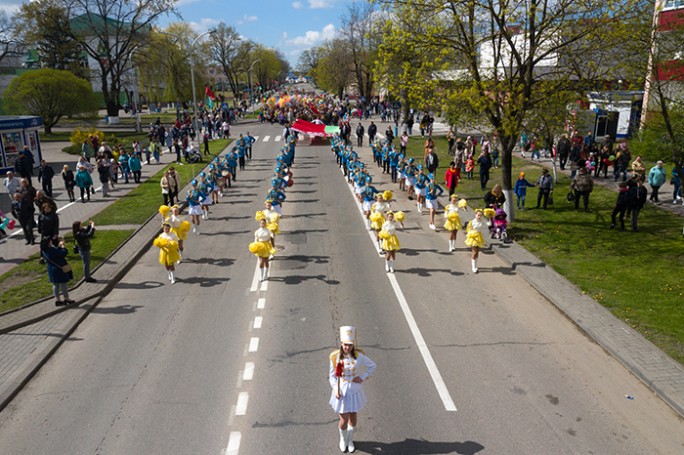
(290, 26)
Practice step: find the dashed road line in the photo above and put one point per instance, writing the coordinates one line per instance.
(253, 344)
(241, 407)
(233, 446)
(248, 372)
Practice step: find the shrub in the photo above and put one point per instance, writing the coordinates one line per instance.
(79, 135)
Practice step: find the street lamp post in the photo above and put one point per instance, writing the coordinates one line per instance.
(192, 77)
(249, 76)
(136, 96)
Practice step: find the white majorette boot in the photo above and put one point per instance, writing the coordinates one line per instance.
(473, 262)
(343, 440)
(172, 278)
(391, 266)
(367, 223)
(265, 273)
(261, 274)
(350, 442)
(387, 265)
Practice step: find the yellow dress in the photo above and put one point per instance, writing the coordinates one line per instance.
(474, 236)
(390, 241)
(261, 246)
(179, 227)
(453, 221)
(168, 248)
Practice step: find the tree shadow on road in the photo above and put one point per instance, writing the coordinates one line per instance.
(299, 279)
(428, 272)
(203, 281)
(121, 309)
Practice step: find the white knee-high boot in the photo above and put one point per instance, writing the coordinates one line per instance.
(172, 278)
(473, 262)
(387, 265)
(343, 440)
(391, 266)
(261, 273)
(350, 442)
(266, 273)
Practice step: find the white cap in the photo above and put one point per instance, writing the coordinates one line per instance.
(347, 334)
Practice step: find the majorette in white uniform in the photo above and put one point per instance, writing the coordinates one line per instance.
(347, 372)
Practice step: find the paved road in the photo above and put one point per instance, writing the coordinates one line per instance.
(213, 360)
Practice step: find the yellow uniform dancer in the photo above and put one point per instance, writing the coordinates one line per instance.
(476, 230)
(262, 247)
(179, 226)
(167, 242)
(377, 216)
(390, 242)
(453, 221)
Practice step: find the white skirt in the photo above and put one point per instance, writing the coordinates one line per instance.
(421, 191)
(348, 403)
(194, 210)
(366, 206)
(431, 203)
(410, 181)
(358, 189)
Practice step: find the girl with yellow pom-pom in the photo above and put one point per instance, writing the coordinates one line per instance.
(179, 226)
(390, 242)
(167, 242)
(377, 218)
(453, 221)
(262, 247)
(475, 232)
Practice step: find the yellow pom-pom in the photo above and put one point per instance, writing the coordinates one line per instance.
(489, 213)
(399, 216)
(462, 204)
(273, 227)
(172, 244)
(259, 215)
(387, 195)
(161, 242)
(274, 217)
(383, 235)
(452, 216)
(164, 210)
(184, 226)
(255, 247)
(376, 217)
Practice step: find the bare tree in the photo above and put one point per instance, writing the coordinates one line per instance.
(231, 52)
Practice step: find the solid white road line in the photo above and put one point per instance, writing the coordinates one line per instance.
(257, 322)
(248, 373)
(241, 407)
(267, 138)
(413, 326)
(422, 346)
(255, 278)
(253, 344)
(261, 303)
(233, 447)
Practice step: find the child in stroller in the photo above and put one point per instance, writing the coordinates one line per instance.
(499, 224)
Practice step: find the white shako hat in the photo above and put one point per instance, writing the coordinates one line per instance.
(347, 334)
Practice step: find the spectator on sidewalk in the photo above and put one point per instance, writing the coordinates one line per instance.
(372, 131)
(87, 149)
(59, 271)
(103, 174)
(84, 182)
(582, 185)
(23, 212)
(431, 161)
(495, 198)
(656, 178)
(82, 236)
(23, 166)
(638, 167)
(451, 178)
(135, 166)
(45, 176)
(174, 185)
(622, 160)
(48, 225)
(69, 182)
(123, 164)
(41, 198)
(359, 135)
(563, 149)
(485, 163)
(11, 184)
(677, 176)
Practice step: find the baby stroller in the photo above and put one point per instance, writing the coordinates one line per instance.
(499, 224)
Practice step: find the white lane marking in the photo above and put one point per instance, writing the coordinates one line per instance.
(253, 344)
(264, 285)
(267, 138)
(233, 447)
(255, 278)
(257, 322)
(381, 136)
(256, 138)
(415, 331)
(261, 303)
(422, 346)
(241, 407)
(277, 139)
(248, 374)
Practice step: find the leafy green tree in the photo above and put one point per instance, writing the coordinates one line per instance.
(503, 51)
(361, 33)
(308, 61)
(50, 94)
(333, 72)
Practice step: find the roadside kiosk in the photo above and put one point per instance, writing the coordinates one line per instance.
(16, 131)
